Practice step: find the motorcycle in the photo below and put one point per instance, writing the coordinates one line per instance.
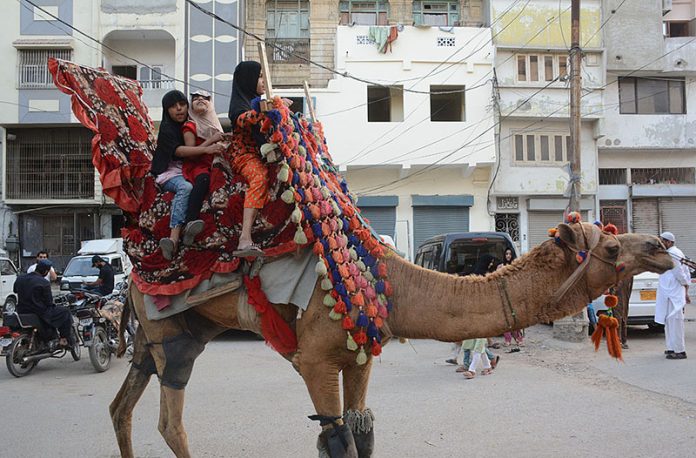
(25, 340)
(98, 320)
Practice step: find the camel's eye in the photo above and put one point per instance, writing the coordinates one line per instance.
(613, 251)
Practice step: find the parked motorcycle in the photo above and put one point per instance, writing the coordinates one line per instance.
(25, 340)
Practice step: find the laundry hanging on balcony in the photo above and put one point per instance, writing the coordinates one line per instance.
(383, 37)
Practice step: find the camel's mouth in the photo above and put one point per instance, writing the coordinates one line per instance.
(659, 264)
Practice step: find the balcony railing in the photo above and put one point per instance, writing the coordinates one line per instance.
(156, 84)
(612, 176)
(287, 50)
(676, 175)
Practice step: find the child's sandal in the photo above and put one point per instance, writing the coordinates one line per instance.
(469, 374)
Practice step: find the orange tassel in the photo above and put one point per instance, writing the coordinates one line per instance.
(371, 311)
(378, 322)
(349, 283)
(609, 325)
(611, 301)
(358, 300)
(318, 248)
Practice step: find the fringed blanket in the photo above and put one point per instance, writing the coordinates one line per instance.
(309, 204)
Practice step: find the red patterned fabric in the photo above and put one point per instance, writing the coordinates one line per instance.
(275, 330)
(122, 148)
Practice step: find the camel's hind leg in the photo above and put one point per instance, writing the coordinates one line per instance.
(355, 415)
(121, 409)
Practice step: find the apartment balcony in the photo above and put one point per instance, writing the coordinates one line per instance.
(153, 66)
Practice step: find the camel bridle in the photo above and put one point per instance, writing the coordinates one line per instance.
(580, 270)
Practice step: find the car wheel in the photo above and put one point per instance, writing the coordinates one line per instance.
(10, 305)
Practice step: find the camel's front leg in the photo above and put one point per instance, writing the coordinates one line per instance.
(356, 416)
(321, 379)
(171, 425)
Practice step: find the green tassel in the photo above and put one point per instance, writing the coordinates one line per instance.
(320, 268)
(335, 316)
(361, 265)
(288, 196)
(308, 167)
(317, 181)
(296, 216)
(326, 284)
(284, 172)
(368, 275)
(340, 224)
(296, 136)
(329, 301)
(350, 343)
(336, 210)
(267, 148)
(302, 151)
(362, 357)
(325, 192)
(353, 254)
(382, 299)
(300, 237)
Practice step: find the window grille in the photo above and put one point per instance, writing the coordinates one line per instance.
(363, 13)
(436, 13)
(612, 176)
(677, 175)
(541, 148)
(614, 212)
(364, 40)
(33, 67)
(446, 41)
(509, 223)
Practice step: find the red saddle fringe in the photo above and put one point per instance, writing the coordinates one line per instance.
(276, 331)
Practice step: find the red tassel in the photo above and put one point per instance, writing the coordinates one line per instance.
(382, 270)
(376, 348)
(360, 338)
(278, 334)
(611, 301)
(347, 323)
(388, 288)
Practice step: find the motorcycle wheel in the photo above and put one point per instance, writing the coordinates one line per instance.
(18, 349)
(99, 352)
(76, 349)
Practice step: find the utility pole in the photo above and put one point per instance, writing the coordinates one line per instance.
(574, 328)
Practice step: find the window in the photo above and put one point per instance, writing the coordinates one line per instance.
(127, 71)
(436, 12)
(33, 67)
(652, 96)
(446, 104)
(116, 265)
(297, 104)
(677, 29)
(533, 68)
(385, 104)
(287, 27)
(363, 13)
(614, 212)
(612, 176)
(6, 268)
(508, 223)
(676, 175)
(543, 148)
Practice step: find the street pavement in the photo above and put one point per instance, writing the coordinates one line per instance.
(551, 399)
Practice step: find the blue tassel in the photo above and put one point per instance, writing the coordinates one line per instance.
(316, 228)
(389, 306)
(346, 224)
(369, 260)
(335, 273)
(332, 263)
(353, 240)
(340, 288)
(300, 191)
(599, 224)
(372, 330)
(308, 217)
(349, 304)
(379, 287)
(362, 252)
(362, 320)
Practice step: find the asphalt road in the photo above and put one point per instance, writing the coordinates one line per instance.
(551, 399)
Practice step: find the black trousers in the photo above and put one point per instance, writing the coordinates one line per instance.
(59, 317)
(198, 193)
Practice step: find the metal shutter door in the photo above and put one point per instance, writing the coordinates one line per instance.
(539, 223)
(678, 217)
(382, 219)
(645, 217)
(431, 221)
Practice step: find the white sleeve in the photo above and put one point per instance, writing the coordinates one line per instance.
(679, 273)
(31, 268)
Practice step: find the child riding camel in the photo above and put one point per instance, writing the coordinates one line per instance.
(167, 167)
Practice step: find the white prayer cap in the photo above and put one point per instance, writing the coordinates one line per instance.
(668, 236)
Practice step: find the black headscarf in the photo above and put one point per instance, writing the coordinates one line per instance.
(170, 136)
(246, 77)
(481, 267)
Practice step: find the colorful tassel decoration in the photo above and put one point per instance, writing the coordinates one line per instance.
(574, 217)
(552, 232)
(320, 268)
(329, 301)
(376, 348)
(581, 256)
(611, 229)
(335, 315)
(347, 323)
(360, 338)
(350, 343)
(620, 267)
(611, 301)
(608, 325)
(362, 357)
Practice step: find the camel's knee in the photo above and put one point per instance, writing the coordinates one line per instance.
(180, 352)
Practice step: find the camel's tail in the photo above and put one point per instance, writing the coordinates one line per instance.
(125, 320)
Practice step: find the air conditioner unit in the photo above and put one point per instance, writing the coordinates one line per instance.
(666, 6)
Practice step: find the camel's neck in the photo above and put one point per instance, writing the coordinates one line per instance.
(433, 305)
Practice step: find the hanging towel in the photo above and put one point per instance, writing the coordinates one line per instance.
(379, 35)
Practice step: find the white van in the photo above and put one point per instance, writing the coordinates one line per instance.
(80, 271)
(8, 275)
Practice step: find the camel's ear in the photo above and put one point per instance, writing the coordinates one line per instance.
(567, 234)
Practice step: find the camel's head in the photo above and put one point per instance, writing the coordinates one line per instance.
(613, 257)
(643, 252)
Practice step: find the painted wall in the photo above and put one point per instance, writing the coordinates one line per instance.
(514, 23)
(633, 37)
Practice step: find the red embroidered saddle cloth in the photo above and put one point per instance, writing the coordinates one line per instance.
(122, 147)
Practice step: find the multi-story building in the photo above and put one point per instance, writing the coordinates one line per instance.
(413, 131)
(647, 136)
(51, 192)
(529, 189)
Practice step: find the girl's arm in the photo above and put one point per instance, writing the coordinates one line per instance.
(191, 150)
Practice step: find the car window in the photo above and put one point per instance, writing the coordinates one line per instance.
(463, 254)
(80, 267)
(6, 268)
(116, 264)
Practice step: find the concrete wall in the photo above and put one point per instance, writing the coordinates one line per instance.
(633, 37)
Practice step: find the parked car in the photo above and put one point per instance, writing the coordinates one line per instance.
(8, 275)
(641, 304)
(458, 252)
(79, 270)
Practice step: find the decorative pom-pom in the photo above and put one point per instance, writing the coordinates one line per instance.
(326, 284)
(376, 348)
(573, 217)
(318, 248)
(358, 299)
(353, 254)
(296, 216)
(360, 337)
(611, 301)
(347, 323)
(288, 196)
(599, 224)
(340, 306)
(362, 320)
(325, 192)
(368, 275)
(581, 256)
(371, 311)
(267, 148)
(552, 232)
(362, 357)
(611, 229)
(350, 343)
(335, 316)
(329, 301)
(320, 268)
(379, 322)
(361, 265)
(300, 237)
(620, 267)
(301, 149)
(382, 270)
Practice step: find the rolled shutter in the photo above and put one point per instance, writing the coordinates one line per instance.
(431, 221)
(677, 216)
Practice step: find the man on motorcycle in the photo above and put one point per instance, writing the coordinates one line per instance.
(34, 296)
(105, 282)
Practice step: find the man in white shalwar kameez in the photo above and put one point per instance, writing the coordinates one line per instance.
(671, 299)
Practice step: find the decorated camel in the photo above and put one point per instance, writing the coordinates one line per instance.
(361, 294)
(426, 305)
